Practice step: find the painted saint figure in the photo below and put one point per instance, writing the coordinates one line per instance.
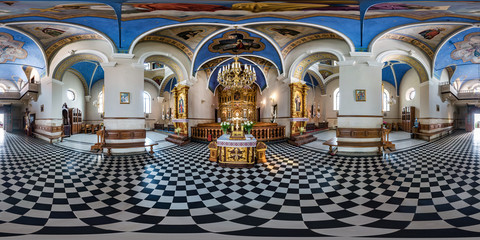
(297, 103)
(180, 106)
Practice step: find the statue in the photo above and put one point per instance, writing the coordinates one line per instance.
(65, 114)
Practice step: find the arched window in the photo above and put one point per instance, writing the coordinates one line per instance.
(100, 102)
(336, 99)
(385, 102)
(147, 102)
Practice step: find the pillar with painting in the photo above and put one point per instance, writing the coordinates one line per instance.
(298, 114)
(180, 116)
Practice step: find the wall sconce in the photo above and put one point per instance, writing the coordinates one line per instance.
(272, 98)
(264, 102)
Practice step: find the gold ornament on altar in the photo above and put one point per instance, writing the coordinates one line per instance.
(237, 129)
(236, 76)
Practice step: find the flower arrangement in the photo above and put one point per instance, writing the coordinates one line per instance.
(248, 125)
(178, 130)
(302, 130)
(225, 126)
(384, 124)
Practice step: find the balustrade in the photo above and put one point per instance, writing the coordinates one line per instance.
(269, 133)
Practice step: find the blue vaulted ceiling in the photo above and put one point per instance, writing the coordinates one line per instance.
(124, 21)
(170, 85)
(310, 80)
(90, 70)
(393, 72)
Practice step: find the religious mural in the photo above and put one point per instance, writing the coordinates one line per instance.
(189, 35)
(285, 33)
(10, 49)
(49, 34)
(227, 9)
(469, 49)
(236, 42)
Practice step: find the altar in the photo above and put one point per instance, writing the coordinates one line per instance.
(236, 153)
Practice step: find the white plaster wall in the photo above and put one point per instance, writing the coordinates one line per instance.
(394, 115)
(91, 111)
(445, 109)
(72, 82)
(329, 114)
(156, 112)
(201, 102)
(45, 98)
(410, 79)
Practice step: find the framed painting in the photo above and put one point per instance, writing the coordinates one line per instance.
(360, 95)
(124, 98)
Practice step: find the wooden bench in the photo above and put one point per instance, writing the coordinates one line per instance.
(50, 138)
(334, 144)
(428, 136)
(109, 146)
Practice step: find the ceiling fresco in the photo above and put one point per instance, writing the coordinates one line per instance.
(54, 9)
(285, 33)
(393, 72)
(190, 35)
(425, 10)
(49, 34)
(18, 52)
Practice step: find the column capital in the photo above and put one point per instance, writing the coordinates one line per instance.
(361, 54)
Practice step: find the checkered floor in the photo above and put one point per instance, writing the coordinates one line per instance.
(431, 191)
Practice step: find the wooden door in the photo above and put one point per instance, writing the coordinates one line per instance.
(469, 122)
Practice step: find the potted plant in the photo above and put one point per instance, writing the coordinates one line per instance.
(302, 130)
(178, 130)
(248, 125)
(225, 126)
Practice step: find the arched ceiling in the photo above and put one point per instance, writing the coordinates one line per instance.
(393, 72)
(280, 25)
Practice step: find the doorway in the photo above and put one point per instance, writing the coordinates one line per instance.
(476, 121)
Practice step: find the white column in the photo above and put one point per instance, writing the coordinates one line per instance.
(124, 76)
(360, 73)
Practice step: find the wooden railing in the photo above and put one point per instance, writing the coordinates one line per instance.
(201, 133)
(269, 133)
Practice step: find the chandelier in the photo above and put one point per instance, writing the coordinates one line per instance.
(235, 76)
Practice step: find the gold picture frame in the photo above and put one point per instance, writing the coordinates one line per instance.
(360, 95)
(124, 97)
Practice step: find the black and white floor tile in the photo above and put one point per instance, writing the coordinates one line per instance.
(431, 191)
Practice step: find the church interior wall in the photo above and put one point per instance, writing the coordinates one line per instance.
(92, 115)
(394, 115)
(330, 114)
(156, 110)
(410, 80)
(439, 111)
(201, 102)
(72, 82)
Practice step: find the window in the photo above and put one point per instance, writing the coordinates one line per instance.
(147, 103)
(71, 95)
(410, 95)
(336, 99)
(385, 102)
(100, 102)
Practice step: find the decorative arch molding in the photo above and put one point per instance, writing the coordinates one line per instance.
(70, 61)
(343, 36)
(82, 80)
(166, 59)
(141, 36)
(319, 79)
(301, 65)
(230, 27)
(34, 39)
(331, 78)
(104, 36)
(389, 31)
(401, 56)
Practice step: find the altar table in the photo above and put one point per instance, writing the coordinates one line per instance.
(236, 153)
